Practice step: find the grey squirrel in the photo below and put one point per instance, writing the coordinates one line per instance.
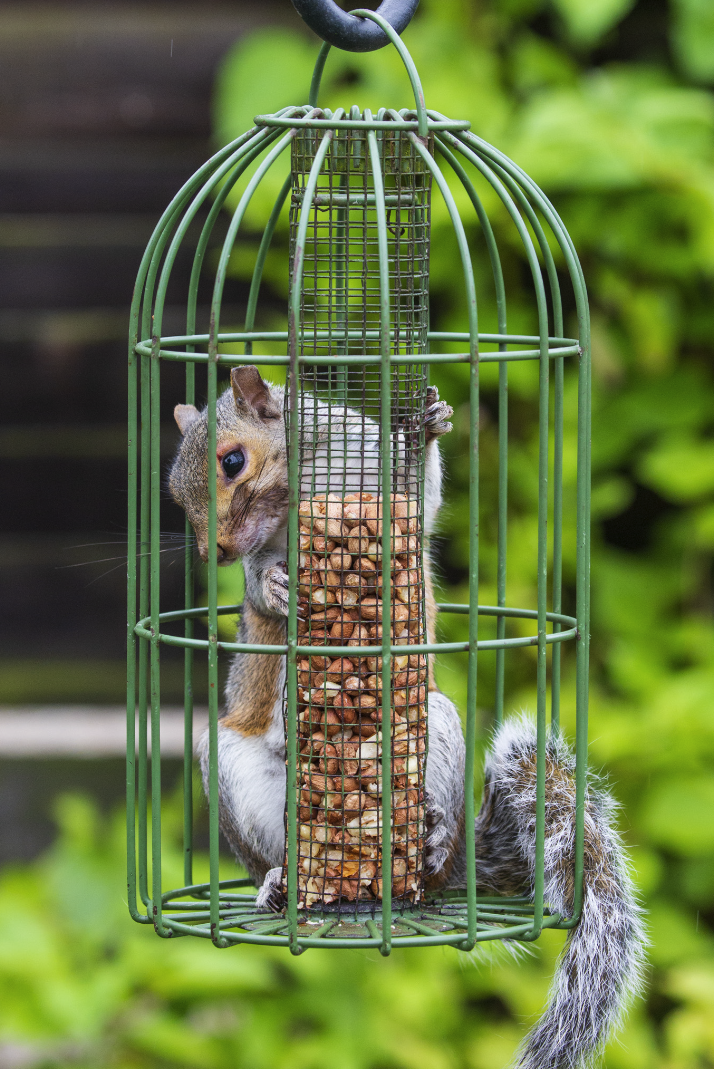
(600, 970)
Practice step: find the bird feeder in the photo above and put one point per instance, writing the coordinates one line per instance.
(359, 340)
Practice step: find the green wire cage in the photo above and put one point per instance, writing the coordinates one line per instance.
(359, 340)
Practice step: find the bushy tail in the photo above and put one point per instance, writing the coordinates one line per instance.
(601, 967)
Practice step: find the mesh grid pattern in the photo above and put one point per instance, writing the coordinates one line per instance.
(340, 709)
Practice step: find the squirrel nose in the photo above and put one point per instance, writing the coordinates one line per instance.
(203, 552)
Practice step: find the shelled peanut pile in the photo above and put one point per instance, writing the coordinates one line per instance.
(340, 701)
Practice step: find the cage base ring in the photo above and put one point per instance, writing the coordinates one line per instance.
(441, 920)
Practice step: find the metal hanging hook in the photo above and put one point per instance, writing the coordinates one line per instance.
(349, 32)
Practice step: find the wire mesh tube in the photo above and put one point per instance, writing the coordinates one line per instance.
(361, 543)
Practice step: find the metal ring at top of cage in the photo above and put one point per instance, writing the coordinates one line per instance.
(348, 31)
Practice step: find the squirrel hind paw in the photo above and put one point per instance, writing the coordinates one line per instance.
(270, 895)
(435, 859)
(436, 855)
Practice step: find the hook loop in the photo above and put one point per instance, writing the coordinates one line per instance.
(349, 32)
(391, 34)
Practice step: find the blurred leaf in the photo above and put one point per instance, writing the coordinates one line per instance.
(536, 63)
(677, 814)
(693, 37)
(496, 1047)
(647, 868)
(698, 879)
(268, 70)
(611, 496)
(624, 420)
(680, 469)
(588, 20)
(704, 527)
(651, 317)
(619, 129)
(693, 982)
(675, 936)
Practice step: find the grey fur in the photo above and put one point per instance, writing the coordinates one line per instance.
(601, 968)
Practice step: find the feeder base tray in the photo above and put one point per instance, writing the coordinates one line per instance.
(438, 921)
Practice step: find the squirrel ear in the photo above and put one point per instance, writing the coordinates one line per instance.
(185, 416)
(250, 389)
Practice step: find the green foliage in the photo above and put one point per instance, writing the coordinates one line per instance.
(82, 986)
(626, 151)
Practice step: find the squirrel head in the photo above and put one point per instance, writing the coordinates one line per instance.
(251, 466)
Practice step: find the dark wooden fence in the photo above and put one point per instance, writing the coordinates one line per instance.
(104, 112)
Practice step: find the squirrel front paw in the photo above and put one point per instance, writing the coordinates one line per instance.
(436, 415)
(270, 895)
(275, 587)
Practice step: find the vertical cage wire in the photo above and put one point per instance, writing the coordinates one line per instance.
(346, 841)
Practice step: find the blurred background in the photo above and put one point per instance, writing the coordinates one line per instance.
(105, 109)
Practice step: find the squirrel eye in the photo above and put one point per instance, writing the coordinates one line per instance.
(233, 463)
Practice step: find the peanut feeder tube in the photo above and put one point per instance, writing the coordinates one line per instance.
(341, 720)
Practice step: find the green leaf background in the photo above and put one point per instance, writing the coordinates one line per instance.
(625, 147)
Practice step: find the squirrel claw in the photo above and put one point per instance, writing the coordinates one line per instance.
(270, 894)
(436, 415)
(435, 860)
(434, 419)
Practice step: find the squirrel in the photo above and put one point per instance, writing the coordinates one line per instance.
(601, 967)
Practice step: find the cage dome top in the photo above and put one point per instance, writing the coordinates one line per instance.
(322, 134)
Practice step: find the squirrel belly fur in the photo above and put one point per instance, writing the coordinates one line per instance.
(601, 965)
